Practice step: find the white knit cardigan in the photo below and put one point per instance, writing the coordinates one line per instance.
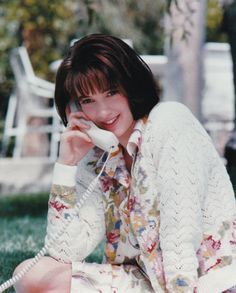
(195, 194)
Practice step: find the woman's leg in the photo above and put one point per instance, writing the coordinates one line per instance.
(47, 276)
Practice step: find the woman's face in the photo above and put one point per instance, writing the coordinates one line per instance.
(109, 110)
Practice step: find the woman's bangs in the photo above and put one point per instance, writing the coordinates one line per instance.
(92, 82)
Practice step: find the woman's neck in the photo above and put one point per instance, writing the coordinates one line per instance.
(128, 160)
(125, 137)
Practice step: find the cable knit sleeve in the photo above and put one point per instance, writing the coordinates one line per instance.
(181, 161)
(87, 228)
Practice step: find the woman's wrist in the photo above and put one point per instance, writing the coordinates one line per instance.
(64, 174)
(67, 162)
(69, 159)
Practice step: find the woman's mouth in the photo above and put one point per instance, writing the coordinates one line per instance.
(109, 124)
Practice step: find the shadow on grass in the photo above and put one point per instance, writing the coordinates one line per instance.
(26, 204)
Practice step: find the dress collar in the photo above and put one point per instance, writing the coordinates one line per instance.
(135, 138)
(115, 167)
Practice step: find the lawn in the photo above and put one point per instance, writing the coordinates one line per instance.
(22, 231)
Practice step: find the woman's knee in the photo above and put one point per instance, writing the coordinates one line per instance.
(47, 275)
(25, 283)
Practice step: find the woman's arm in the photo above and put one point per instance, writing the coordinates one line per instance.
(87, 228)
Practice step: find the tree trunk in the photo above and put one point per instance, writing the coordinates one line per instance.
(185, 35)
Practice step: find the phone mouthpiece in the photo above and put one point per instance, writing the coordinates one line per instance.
(104, 139)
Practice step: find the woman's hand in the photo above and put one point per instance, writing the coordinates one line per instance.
(74, 144)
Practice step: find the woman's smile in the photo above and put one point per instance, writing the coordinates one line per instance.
(110, 124)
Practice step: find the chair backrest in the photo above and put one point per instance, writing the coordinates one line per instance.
(24, 73)
(21, 64)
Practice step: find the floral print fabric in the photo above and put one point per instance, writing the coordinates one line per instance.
(107, 278)
(121, 245)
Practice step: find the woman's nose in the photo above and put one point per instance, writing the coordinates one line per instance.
(102, 111)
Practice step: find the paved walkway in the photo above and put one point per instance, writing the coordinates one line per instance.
(26, 175)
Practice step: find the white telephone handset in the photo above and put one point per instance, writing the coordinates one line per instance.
(104, 139)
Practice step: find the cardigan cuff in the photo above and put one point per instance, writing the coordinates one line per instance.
(218, 280)
(64, 175)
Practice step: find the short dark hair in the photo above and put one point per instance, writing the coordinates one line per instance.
(101, 62)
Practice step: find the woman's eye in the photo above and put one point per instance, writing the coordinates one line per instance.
(86, 101)
(112, 93)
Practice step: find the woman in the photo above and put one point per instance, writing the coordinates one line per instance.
(164, 203)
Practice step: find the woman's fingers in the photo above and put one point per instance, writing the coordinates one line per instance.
(74, 142)
(70, 134)
(77, 115)
(75, 121)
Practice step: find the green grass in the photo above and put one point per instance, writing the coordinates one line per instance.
(21, 238)
(22, 231)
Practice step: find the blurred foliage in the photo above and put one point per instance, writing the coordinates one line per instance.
(19, 205)
(214, 19)
(140, 21)
(41, 26)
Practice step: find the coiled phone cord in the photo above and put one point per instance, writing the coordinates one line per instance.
(9, 283)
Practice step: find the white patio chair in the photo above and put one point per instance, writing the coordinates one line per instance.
(33, 97)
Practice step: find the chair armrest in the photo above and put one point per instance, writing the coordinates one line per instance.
(44, 83)
(41, 91)
(37, 81)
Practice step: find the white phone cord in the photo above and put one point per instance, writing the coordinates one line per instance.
(44, 250)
